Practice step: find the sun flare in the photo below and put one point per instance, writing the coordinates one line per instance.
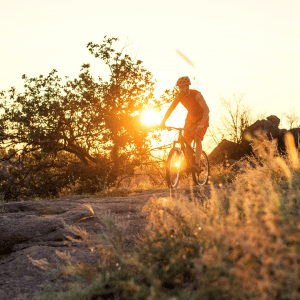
(150, 117)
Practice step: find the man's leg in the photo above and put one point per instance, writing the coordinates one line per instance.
(198, 149)
(188, 153)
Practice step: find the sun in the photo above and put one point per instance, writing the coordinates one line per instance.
(150, 117)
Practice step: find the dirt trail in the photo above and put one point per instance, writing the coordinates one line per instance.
(35, 230)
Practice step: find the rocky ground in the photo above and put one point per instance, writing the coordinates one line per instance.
(34, 230)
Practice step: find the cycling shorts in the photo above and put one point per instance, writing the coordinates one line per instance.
(190, 134)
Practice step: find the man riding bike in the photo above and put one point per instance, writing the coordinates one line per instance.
(197, 117)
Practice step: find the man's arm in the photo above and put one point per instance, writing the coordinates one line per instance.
(205, 108)
(169, 111)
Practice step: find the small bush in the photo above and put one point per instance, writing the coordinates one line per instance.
(42, 175)
(220, 174)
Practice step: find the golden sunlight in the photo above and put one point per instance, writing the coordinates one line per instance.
(150, 117)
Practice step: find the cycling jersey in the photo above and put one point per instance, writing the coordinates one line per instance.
(195, 111)
(194, 116)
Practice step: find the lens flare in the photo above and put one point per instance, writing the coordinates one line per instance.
(185, 58)
(150, 117)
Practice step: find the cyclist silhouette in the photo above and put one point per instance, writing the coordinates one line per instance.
(197, 117)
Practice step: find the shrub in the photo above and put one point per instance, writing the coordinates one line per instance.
(39, 174)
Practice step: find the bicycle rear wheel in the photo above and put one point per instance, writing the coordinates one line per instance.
(201, 178)
(173, 167)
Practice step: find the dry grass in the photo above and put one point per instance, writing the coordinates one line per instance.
(242, 243)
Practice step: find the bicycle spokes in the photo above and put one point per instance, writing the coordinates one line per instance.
(173, 167)
(200, 177)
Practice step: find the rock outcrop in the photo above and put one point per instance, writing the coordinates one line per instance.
(31, 231)
(226, 150)
(35, 230)
(269, 128)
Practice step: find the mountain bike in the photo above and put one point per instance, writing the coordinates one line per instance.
(175, 158)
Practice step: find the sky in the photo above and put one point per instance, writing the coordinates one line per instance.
(236, 46)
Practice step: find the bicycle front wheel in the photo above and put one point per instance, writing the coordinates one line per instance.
(201, 178)
(173, 167)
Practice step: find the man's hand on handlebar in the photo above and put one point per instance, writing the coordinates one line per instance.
(159, 126)
(162, 126)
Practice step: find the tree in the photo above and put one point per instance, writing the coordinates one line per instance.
(235, 117)
(92, 119)
(292, 119)
(128, 91)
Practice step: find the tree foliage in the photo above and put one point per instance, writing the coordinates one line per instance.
(95, 120)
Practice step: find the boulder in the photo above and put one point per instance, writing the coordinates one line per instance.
(265, 127)
(224, 151)
(274, 119)
(227, 150)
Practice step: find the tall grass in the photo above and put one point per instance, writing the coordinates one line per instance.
(241, 243)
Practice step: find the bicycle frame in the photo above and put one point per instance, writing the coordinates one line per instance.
(182, 141)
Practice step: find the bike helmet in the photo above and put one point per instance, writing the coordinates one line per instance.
(185, 80)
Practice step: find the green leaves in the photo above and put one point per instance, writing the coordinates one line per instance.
(83, 116)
